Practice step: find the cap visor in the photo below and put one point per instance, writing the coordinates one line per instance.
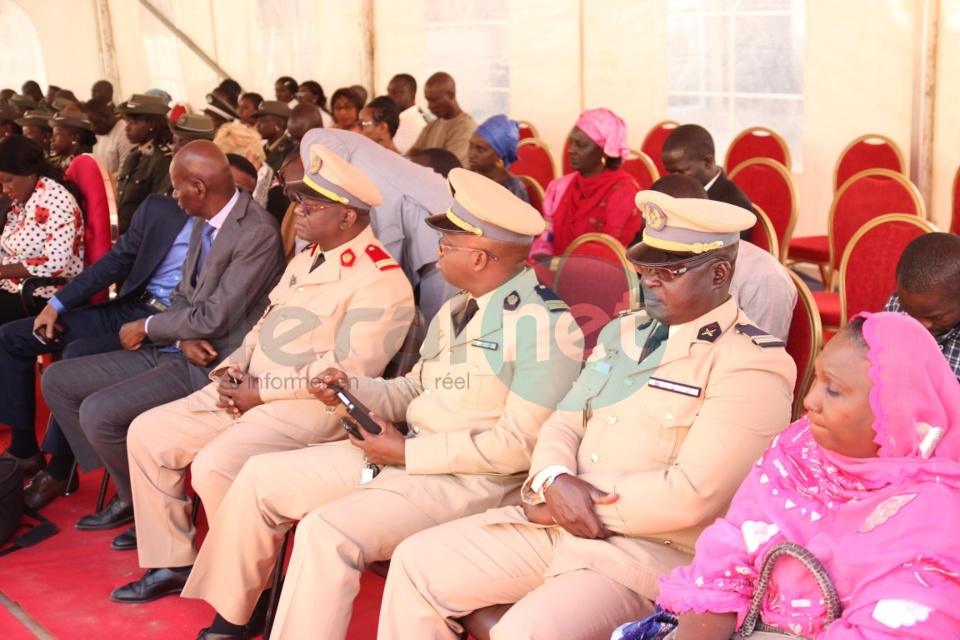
(304, 189)
(645, 255)
(441, 222)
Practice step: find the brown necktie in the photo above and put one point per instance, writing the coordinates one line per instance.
(321, 257)
(654, 340)
(467, 315)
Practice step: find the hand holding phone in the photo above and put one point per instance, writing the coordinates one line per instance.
(350, 427)
(58, 330)
(356, 410)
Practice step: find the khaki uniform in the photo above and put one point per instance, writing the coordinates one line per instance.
(474, 404)
(351, 312)
(146, 170)
(673, 436)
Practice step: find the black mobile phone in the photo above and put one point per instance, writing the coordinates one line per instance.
(350, 427)
(58, 330)
(356, 410)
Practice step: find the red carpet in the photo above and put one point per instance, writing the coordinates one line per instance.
(62, 584)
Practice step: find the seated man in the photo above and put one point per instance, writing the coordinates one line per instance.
(928, 289)
(345, 304)
(690, 151)
(646, 450)
(760, 284)
(496, 358)
(233, 261)
(148, 258)
(453, 127)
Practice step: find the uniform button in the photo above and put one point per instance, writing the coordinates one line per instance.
(415, 429)
(628, 382)
(667, 542)
(668, 416)
(263, 347)
(450, 353)
(283, 317)
(426, 391)
(477, 368)
(611, 419)
(299, 289)
(594, 457)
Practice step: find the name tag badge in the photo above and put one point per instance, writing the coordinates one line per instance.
(675, 387)
(483, 344)
(600, 366)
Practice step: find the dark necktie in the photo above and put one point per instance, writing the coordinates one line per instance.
(317, 261)
(206, 241)
(467, 315)
(654, 340)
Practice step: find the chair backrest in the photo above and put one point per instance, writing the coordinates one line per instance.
(804, 342)
(99, 208)
(868, 270)
(871, 151)
(402, 363)
(535, 160)
(565, 167)
(955, 220)
(642, 168)
(757, 142)
(653, 142)
(527, 130)
(868, 195)
(763, 234)
(534, 192)
(770, 185)
(597, 281)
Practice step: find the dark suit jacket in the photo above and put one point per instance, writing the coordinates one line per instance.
(242, 267)
(135, 256)
(724, 190)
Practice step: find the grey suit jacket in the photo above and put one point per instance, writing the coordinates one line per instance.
(227, 298)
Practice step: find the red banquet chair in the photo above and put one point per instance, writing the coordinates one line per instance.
(534, 192)
(804, 342)
(769, 185)
(527, 130)
(642, 168)
(865, 196)
(597, 281)
(757, 142)
(653, 142)
(763, 234)
(565, 167)
(871, 151)
(868, 271)
(535, 160)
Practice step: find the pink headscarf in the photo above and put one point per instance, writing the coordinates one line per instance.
(882, 527)
(607, 129)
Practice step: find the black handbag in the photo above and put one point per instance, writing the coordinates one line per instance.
(12, 511)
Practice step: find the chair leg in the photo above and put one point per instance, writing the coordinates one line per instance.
(102, 498)
(73, 474)
(275, 586)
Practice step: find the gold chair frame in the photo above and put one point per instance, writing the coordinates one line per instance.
(647, 162)
(767, 226)
(750, 131)
(815, 327)
(537, 142)
(529, 125)
(633, 281)
(870, 136)
(784, 242)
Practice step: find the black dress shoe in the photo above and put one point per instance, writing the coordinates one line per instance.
(126, 541)
(30, 466)
(115, 514)
(206, 634)
(154, 584)
(44, 489)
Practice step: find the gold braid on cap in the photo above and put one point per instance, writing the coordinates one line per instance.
(463, 224)
(681, 247)
(326, 193)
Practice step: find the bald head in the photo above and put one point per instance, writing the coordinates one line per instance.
(303, 118)
(441, 94)
(201, 178)
(102, 90)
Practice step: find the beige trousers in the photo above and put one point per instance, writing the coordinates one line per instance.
(445, 573)
(162, 443)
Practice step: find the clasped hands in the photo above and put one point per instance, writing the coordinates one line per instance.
(385, 448)
(569, 503)
(238, 392)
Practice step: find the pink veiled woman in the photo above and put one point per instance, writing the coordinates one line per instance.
(868, 481)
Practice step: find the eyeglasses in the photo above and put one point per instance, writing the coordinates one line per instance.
(444, 246)
(301, 201)
(668, 274)
(368, 123)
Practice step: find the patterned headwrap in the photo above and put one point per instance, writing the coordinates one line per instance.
(503, 134)
(607, 129)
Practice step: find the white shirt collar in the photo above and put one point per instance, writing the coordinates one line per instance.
(217, 221)
(707, 186)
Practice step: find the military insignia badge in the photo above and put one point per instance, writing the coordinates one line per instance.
(315, 163)
(347, 258)
(655, 217)
(709, 332)
(512, 301)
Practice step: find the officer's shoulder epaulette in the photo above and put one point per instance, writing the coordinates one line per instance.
(758, 336)
(381, 259)
(550, 299)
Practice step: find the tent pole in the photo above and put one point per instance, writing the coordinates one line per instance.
(108, 53)
(185, 39)
(368, 52)
(583, 97)
(926, 19)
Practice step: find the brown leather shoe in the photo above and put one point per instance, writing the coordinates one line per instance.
(30, 466)
(44, 489)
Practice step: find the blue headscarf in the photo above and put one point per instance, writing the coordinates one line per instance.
(503, 134)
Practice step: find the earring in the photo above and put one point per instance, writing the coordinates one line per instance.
(500, 163)
(603, 160)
